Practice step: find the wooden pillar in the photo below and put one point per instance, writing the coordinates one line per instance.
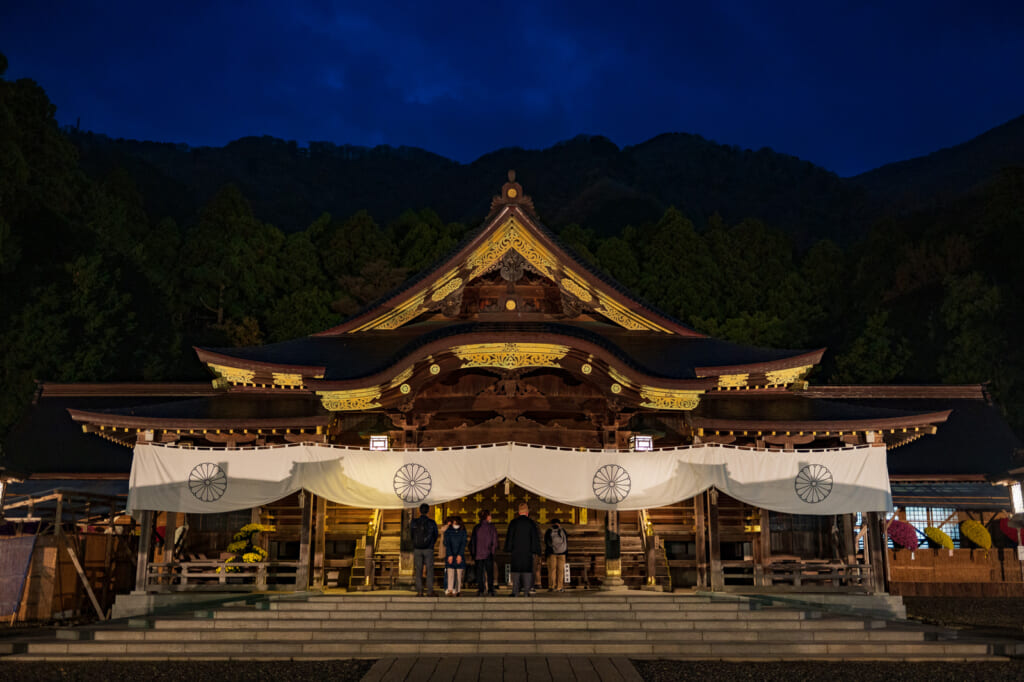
(612, 553)
(321, 539)
(145, 541)
(405, 558)
(653, 542)
(302, 574)
(846, 535)
(763, 550)
(108, 550)
(714, 546)
(170, 529)
(700, 540)
(875, 546)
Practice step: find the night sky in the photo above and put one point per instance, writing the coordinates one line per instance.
(849, 86)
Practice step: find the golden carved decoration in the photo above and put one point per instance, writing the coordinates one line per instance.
(356, 399)
(784, 377)
(401, 377)
(405, 388)
(282, 379)
(586, 368)
(234, 375)
(733, 380)
(616, 388)
(397, 316)
(435, 369)
(576, 290)
(619, 377)
(510, 304)
(446, 289)
(622, 316)
(669, 398)
(511, 236)
(510, 355)
(512, 193)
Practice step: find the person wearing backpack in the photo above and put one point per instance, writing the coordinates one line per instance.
(556, 547)
(423, 532)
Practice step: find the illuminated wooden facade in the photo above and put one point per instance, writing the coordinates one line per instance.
(513, 339)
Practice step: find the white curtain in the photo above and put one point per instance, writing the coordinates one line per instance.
(835, 481)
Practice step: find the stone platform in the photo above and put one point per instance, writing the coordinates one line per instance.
(634, 624)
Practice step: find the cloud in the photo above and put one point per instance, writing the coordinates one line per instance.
(847, 86)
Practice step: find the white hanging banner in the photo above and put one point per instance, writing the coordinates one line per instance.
(837, 481)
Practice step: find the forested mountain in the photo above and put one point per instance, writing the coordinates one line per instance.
(586, 180)
(929, 180)
(117, 257)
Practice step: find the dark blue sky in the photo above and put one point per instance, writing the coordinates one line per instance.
(847, 85)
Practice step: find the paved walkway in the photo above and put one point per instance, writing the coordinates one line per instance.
(503, 669)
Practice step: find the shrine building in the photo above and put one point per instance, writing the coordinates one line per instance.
(515, 372)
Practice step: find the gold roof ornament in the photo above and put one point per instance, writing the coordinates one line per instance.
(233, 375)
(510, 355)
(785, 377)
(356, 399)
(669, 398)
(512, 194)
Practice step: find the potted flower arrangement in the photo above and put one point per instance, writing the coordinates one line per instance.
(977, 534)
(938, 539)
(903, 534)
(243, 548)
(1011, 533)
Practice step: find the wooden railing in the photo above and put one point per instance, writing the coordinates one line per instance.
(219, 575)
(796, 574)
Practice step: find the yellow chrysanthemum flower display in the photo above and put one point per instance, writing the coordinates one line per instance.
(976, 533)
(938, 537)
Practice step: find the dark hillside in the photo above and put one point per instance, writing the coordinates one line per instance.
(587, 180)
(935, 178)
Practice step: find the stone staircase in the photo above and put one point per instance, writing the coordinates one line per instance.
(631, 624)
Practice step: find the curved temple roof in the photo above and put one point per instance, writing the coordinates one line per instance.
(597, 317)
(354, 356)
(580, 322)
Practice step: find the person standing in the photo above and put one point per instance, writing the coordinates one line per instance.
(556, 547)
(482, 546)
(424, 534)
(455, 556)
(522, 541)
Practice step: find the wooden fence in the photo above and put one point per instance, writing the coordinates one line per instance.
(957, 572)
(220, 576)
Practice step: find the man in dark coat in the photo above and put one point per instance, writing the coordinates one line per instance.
(522, 542)
(424, 534)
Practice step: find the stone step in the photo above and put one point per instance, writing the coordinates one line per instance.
(560, 634)
(497, 623)
(499, 603)
(734, 650)
(153, 658)
(329, 627)
(483, 611)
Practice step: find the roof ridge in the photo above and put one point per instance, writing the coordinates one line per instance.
(967, 391)
(117, 389)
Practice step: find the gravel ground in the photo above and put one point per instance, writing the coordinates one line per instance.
(1005, 614)
(193, 671)
(669, 671)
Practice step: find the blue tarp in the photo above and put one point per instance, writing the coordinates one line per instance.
(15, 559)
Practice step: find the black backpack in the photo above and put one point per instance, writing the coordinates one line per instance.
(421, 533)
